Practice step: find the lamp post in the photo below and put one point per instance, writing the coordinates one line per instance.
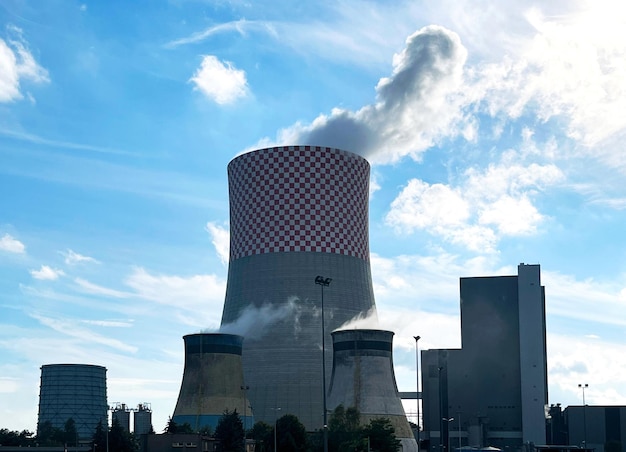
(439, 369)
(583, 386)
(459, 419)
(448, 420)
(417, 385)
(276, 410)
(324, 282)
(244, 388)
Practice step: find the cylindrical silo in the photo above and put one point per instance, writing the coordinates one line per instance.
(363, 378)
(77, 391)
(142, 419)
(212, 381)
(121, 414)
(296, 212)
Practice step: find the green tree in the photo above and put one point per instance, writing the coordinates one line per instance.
(343, 428)
(24, 438)
(382, 435)
(99, 438)
(263, 435)
(613, 446)
(47, 435)
(229, 432)
(173, 427)
(120, 439)
(70, 434)
(290, 434)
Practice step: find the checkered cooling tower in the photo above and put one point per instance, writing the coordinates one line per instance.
(296, 212)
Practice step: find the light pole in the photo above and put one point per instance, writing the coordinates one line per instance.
(324, 282)
(244, 388)
(459, 419)
(448, 420)
(276, 410)
(439, 369)
(417, 385)
(583, 386)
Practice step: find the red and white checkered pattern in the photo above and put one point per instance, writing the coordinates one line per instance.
(298, 198)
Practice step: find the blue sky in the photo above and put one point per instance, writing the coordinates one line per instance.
(494, 130)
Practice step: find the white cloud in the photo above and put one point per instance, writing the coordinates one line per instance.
(72, 258)
(47, 273)
(11, 245)
(220, 81)
(220, 237)
(91, 288)
(478, 209)
(17, 64)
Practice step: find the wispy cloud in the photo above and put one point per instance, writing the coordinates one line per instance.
(220, 81)
(239, 26)
(95, 289)
(220, 237)
(17, 64)
(47, 273)
(69, 327)
(12, 245)
(73, 258)
(110, 323)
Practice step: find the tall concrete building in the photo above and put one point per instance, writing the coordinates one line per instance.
(492, 391)
(296, 212)
(76, 391)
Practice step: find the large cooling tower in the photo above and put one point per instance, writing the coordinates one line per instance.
(363, 378)
(77, 391)
(296, 212)
(212, 381)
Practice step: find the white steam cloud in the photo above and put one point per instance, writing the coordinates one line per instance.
(364, 321)
(415, 106)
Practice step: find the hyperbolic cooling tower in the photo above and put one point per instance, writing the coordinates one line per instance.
(363, 378)
(77, 391)
(212, 381)
(296, 212)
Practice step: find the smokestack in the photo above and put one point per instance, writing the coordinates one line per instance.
(212, 381)
(363, 378)
(296, 212)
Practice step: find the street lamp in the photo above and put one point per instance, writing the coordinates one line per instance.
(440, 387)
(276, 410)
(417, 382)
(583, 386)
(448, 420)
(324, 282)
(244, 388)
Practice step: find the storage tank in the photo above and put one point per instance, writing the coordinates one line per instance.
(363, 378)
(212, 381)
(296, 212)
(121, 414)
(142, 419)
(76, 391)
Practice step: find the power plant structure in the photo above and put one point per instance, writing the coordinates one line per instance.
(363, 377)
(502, 360)
(212, 381)
(121, 415)
(296, 212)
(142, 419)
(77, 391)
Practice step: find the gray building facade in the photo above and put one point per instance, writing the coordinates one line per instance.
(492, 391)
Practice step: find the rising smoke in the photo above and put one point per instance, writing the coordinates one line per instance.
(415, 106)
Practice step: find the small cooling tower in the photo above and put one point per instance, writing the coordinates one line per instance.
(212, 381)
(77, 391)
(363, 378)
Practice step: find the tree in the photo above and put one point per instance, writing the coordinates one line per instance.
(121, 440)
(99, 438)
(173, 427)
(343, 428)
(290, 434)
(24, 438)
(382, 435)
(70, 434)
(229, 432)
(613, 446)
(47, 435)
(263, 435)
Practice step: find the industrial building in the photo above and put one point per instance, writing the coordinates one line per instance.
(296, 212)
(363, 378)
(76, 391)
(212, 381)
(492, 391)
